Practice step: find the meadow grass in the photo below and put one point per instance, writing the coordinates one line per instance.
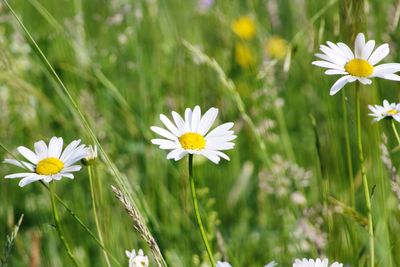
(293, 187)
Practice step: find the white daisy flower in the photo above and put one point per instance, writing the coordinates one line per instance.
(48, 163)
(386, 111)
(360, 65)
(191, 135)
(315, 263)
(223, 264)
(137, 260)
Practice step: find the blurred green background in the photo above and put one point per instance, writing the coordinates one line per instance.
(125, 62)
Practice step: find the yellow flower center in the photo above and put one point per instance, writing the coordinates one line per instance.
(193, 141)
(49, 166)
(359, 68)
(392, 112)
(244, 27)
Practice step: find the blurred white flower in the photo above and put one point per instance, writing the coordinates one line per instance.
(191, 135)
(223, 264)
(282, 176)
(360, 65)
(298, 198)
(48, 163)
(271, 264)
(137, 260)
(122, 39)
(315, 263)
(386, 111)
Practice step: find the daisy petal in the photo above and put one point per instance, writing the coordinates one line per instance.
(220, 139)
(359, 45)
(196, 116)
(68, 175)
(333, 53)
(335, 72)
(335, 60)
(220, 130)
(222, 155)
(29, 179)
(364, 80)
(22, 164)
(55, 147)
(28, 154)
(336, 49)
(211, 156)
(69, 149)
(384, 69)
(380, 53)
(220, 146)
(188, 119)
(165, 144)
(367, 50)
(396, 117)
(73, 168)
(392, 77)
(180, 155)
(207, 121)
(170, 126)
(175, 153)
(77, 155)
(347, 51)
(328, 65)
(339, 85)
(180, 123)
(163, 133)
(47, 179)
(41, 149)
(18, 175)
(56, 177)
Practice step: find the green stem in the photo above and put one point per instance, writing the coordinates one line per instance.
(395, 132)
(196, 210)
(58, 225)
(96, 219)
(364, 177)
(348, 150)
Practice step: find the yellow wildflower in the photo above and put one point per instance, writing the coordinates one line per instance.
(244, 27)
(244, 56)
(276, 47)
